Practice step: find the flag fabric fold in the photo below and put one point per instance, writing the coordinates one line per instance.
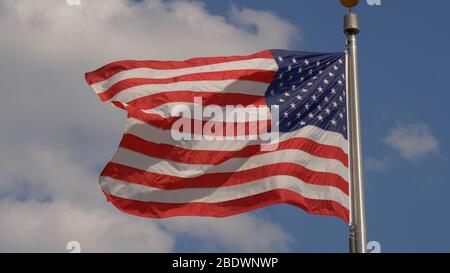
(210, 163)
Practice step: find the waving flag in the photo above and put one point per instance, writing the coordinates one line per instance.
(224, 171)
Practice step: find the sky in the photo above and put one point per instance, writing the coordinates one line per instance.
(56, 135)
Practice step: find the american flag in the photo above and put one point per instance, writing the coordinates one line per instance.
(152, 174)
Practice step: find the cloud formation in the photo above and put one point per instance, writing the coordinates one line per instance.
(48, 227)
(413, 141)
(56, 135)
(242, 232)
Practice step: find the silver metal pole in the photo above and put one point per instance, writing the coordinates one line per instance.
(358, 240)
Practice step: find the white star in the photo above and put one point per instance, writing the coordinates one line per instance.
(287, 94)
(339, 82)
(299, 97)
(304, 90)
(341, 115)
(280, 76)
(315, 78)
(318, 63)
(300, 70)
(302, 123)
(320, 71)
(325, 81)
(294, 60)
(310, 115)
(307, 106)
(331, 74)
(289, 67)
(311, 72)
(286, 114)
(306, 62)
(292, 105)
(335, 67)
(280, 58)
(314, 98)
(340, 61)
(301, 79)
(293, 87)
(299, 115)
(319, 107)
(333, 122)
(333, 90)
(320, 89)
(328, 111)
(335, 105)
(289, 124)
(281, 100)
(309, 84)
(340, 98)
(320, 118)
(326, 99)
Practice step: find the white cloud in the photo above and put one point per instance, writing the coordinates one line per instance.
(245, 233)
(413, 141)
(56, 134)
(48, 191)
(265, 25)
(48, 227)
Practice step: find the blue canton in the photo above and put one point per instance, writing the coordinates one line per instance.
(309, 89)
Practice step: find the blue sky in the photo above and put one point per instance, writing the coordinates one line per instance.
(53, 151)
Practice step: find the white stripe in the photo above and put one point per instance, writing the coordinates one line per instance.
(154, 134)
(250, 113)
(258, 63)
(161, 166)
(222, 194)
(223, 86)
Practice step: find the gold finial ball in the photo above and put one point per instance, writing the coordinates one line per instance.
(349, 3)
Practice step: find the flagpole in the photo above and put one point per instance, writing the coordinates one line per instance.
(358, 239)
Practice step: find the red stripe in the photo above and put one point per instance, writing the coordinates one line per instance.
(208, 98)
(212, 180)
(248, 74)
(167, 123)
(232, 207)
(111, 69)
(178, 154)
